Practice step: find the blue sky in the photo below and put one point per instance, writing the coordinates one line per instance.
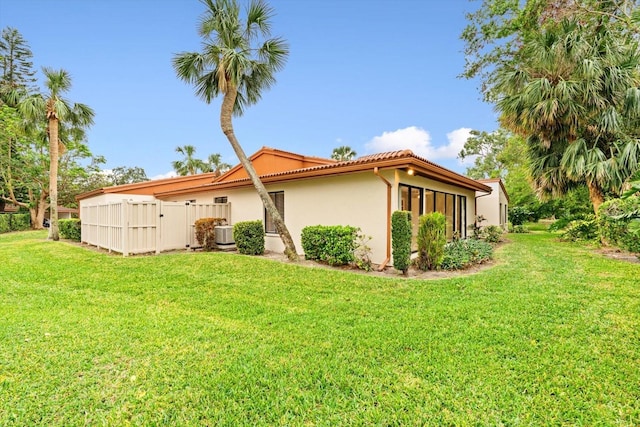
(376, 75)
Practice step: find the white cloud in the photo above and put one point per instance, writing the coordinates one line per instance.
(418, 140)
(170, 174)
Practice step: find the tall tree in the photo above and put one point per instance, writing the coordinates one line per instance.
(575, 95)
(121, 175)
(189, 165)
(216, 165)
(60, 117)
(564, 75)
(343, 153)
(238, 60)
(18, 75)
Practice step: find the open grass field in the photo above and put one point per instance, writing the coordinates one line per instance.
(548, 336)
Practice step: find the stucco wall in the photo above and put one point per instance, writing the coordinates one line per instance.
(489, 206)
(359, 200)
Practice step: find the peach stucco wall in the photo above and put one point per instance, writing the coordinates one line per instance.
(359, 200)
(492, 207)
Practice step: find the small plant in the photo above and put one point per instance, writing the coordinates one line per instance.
(492, 233)
(464, 253)
(518, 229)
(581, 229)
(431, 240)
(362, 253)
(70, 229)
(476, 227)
(401, 240)
(333, 244)
(205, 231)
(249, 237)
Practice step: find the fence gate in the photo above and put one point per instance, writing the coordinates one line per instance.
(173, 226)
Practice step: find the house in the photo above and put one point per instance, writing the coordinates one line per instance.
(311, 190)
(494, 207)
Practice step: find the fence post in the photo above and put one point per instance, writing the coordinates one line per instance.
(124, 217)
(158, 223)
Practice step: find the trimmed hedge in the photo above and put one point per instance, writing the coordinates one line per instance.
(432, 236)
(333, 244)
(14, 222)
(70, 229)
(401, 240)
(249, 237)
(205, 231)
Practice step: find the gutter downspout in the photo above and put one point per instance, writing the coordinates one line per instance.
(388, 240)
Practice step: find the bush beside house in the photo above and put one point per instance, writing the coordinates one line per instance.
(249, 237)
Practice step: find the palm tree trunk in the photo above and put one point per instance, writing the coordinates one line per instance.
(226, 124)
(53, 177)
(595, 195)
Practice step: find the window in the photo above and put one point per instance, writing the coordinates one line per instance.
(453, 207)
(222, 199)
(411, 200)
(278, 199)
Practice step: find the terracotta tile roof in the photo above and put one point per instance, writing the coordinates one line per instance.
(391, 159)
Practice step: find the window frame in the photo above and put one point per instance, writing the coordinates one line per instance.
(269, 227)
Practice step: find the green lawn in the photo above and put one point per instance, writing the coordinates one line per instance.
(549, 336)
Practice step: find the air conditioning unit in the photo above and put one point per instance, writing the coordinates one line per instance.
(224, 235)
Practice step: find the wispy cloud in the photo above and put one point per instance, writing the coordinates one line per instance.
(419, 141)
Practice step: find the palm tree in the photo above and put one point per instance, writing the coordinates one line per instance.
(61, 118)
(215, 164)
(190, 165)
(238, 61)
(575, 97)
(343, 153)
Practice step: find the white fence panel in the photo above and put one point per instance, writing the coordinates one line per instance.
(134, 227)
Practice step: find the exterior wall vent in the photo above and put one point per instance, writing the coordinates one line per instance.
(224, 235)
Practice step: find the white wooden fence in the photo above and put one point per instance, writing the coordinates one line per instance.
(134, 227)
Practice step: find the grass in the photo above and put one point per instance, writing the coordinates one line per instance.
(549, 336)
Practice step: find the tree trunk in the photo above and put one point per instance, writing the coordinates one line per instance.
(596, 196)
(53, 177)
(226, 123)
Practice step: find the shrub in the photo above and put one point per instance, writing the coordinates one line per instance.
(249, 237)
(464, 253)
(518, 229)
(333, 244)
(519, 215)
(14, 222)
(205, 231)
(431, 240)
(581, 229)
(401, 240)
(563, 222)
(70, 229)
(617, 222)
(492, 233)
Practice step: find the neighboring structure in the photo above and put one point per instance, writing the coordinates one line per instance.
(494, 207)
(311, 191)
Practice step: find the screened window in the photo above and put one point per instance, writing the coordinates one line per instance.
(278, 200)
(222, 199)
